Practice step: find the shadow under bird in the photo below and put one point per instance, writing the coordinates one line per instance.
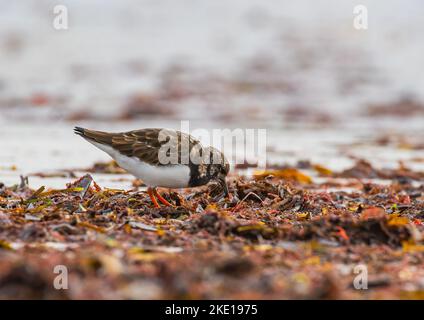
(162, 158)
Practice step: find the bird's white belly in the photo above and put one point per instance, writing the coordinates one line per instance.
(176, 176)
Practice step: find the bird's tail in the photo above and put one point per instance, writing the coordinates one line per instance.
(97, 136)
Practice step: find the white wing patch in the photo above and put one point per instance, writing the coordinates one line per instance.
(176, 176)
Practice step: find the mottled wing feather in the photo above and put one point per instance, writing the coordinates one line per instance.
(144, 144)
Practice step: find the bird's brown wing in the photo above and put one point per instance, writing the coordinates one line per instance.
(152, 145)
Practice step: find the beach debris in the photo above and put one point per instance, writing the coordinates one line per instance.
(275, 233)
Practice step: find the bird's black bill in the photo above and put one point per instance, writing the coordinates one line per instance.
(225, 193)
(225, 187)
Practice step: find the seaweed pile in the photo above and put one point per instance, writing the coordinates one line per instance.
(277, 237)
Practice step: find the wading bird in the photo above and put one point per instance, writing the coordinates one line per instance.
(162, 158)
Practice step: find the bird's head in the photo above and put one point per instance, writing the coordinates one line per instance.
(217, 167)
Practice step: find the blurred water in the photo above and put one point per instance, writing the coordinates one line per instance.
(116, 48)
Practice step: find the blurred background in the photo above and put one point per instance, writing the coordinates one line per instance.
(325, 92)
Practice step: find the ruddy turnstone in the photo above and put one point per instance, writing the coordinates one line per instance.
(162, 158)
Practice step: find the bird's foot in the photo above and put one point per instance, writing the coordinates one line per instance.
(162, 199)
(150, 192)
(155, 196)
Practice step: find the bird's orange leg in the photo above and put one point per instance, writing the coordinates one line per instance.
(151, 193)
(161, 199)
